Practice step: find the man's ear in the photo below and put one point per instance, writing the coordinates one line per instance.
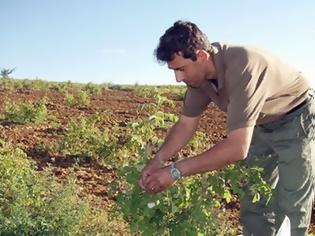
(202, 54)
(179, 53)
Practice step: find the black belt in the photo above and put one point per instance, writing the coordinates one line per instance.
(297, 107)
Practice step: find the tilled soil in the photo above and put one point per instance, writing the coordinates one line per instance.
(118, 107)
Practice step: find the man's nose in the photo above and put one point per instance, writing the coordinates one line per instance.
(179, 76)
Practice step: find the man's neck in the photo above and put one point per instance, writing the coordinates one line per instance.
(212, 72)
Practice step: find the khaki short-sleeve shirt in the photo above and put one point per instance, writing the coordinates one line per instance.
(253, 87)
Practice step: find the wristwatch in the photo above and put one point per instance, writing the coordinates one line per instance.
(175, 173)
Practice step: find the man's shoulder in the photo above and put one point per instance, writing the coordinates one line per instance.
(238, 57)
(237, 49)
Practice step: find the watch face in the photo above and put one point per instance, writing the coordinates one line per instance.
(175, 173)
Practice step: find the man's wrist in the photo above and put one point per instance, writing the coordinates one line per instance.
(181, 165)
(158, 157)
(161, 163)
(159, 160)
(175, 172)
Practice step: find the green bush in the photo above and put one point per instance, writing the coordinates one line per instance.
(33, 203)
(69, 99)
(146, 91)
(84, 140)
(198, 143)
(187, 208)
(193, 206)
(83, 98)
(36, 84)
(6, 84)
(25, 112)
(93, 89)
(79, 99)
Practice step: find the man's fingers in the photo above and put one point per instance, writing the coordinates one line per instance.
(155, 189)
(144, 175)
(151, 189)
(143, 179)
(141, 183)
(146, 179)
(147, 182)
(152, 185)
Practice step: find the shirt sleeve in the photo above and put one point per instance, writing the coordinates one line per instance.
(195, 102)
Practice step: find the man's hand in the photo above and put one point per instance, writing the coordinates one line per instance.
(158, 181)
(148, 170)
(177, 137)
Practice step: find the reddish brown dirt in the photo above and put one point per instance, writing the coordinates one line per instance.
(118, 106)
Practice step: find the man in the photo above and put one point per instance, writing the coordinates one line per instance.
(270, 123)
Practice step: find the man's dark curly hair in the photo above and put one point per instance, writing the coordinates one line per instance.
(183, 36)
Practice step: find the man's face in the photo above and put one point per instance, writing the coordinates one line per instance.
(192, 73)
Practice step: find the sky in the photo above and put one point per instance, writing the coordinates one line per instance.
(103, 41)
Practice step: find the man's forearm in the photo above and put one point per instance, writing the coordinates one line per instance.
(215, 158)
(178, 136)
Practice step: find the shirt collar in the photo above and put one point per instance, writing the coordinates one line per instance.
(219, 63)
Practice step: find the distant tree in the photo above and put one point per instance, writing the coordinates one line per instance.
(6, 72)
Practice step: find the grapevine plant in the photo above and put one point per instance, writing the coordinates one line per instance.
(194, 205)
